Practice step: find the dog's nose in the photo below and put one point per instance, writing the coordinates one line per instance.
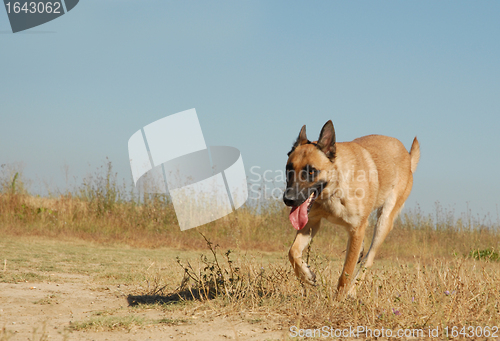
(288, 199)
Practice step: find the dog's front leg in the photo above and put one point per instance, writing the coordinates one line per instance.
(301, 241)
(354, 247)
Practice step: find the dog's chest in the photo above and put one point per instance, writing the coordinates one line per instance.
(336, 212)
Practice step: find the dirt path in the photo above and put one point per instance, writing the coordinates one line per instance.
(51, 308)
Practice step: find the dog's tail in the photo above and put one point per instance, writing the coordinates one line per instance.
(414, 155)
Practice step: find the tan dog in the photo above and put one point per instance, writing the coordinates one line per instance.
(343, 183)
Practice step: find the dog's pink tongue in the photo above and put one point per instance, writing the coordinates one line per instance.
(298, 216)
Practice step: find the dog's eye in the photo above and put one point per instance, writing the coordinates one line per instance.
(312, 175)
(310, 172)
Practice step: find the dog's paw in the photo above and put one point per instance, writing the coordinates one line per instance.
(352, 292)
(308, 276)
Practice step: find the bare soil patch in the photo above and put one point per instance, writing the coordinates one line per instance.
(49, 311)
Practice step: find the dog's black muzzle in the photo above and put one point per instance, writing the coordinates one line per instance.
(294, 196)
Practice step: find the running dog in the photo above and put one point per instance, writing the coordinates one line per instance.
(343, 183)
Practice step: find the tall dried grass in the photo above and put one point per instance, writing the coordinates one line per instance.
(104, 211)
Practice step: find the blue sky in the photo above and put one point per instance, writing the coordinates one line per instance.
(73, 90)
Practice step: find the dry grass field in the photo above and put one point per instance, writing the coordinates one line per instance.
(101, 264)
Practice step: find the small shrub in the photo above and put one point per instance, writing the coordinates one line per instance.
(486, 254)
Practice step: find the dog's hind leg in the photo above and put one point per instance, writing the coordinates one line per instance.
(386, 216)
(301, 241)
(385, 222)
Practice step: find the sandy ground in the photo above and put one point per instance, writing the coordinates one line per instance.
(50, 308)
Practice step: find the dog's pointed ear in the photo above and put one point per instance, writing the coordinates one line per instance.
(302, 139)
(326, 141)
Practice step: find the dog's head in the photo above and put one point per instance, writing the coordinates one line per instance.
(306, 170)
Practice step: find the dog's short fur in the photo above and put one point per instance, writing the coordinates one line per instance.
(343, 183)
